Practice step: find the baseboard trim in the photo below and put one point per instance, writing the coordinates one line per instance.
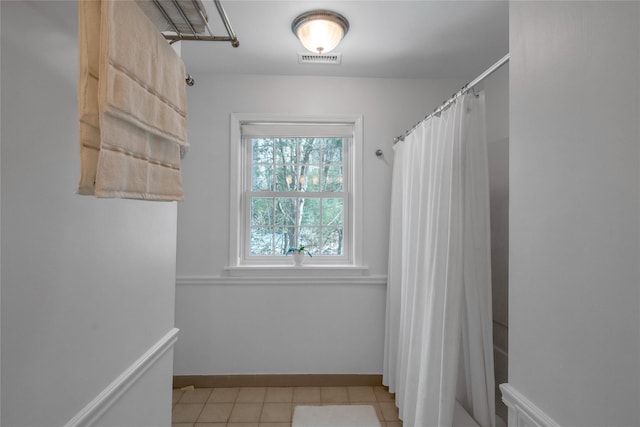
(110, 395)
(285, 380)
(522, 412)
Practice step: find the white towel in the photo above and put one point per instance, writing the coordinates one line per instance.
(132, 100)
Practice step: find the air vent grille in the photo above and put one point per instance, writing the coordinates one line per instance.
(313, 58)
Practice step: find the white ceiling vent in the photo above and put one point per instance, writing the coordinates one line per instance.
(314, 58)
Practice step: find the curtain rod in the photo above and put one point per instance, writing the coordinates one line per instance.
(466, 88)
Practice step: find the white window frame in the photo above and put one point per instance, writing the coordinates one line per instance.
(352, 262)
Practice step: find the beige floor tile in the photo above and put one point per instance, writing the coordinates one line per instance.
(383, 395)
(176, 395)
(334, 395)
(361, 394)
(272, 406)
(186, 412)
(215, 413)
(389, 411)
(251, 394)
(306, 395)
(223, 395)
(246, 412)
(276, 412)
(199, 395)
(279, 394)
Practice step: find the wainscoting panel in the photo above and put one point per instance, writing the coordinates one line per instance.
(522, 412)
(91, 413)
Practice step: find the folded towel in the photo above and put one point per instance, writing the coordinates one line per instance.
(188, 8)
(132, 100)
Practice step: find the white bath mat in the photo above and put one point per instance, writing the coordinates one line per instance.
(335, 416)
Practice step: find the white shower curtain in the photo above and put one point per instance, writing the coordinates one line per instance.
(438, 338)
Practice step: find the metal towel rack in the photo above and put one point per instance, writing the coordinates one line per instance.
(178, 32)
(187, 29)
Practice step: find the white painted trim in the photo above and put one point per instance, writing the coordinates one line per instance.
(110, 395)
(522, 412)
(356, 210)
(302, 272)
(235, 188)
(281, 280)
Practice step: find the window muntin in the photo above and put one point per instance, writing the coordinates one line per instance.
(278, 224)
(264, 181)
(297, 196)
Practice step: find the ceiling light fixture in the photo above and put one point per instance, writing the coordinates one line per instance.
(320, 30)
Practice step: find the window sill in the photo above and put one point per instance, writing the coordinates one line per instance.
(297, 271)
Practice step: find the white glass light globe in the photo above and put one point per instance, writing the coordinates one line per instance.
(320, 30)
(320, 36)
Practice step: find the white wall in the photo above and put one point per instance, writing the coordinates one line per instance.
(246, 328)
(574, 303)
(87, 284)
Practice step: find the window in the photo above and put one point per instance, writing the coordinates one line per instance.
(296, 185)
(297, 195)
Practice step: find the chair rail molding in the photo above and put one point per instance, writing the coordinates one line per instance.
(110, 395)
(377, 280)
(522, 412)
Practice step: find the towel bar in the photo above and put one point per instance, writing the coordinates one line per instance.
(187, 20)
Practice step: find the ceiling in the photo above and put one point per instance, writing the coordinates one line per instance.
(386, 39)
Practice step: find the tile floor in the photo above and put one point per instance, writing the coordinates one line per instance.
(271, 406)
